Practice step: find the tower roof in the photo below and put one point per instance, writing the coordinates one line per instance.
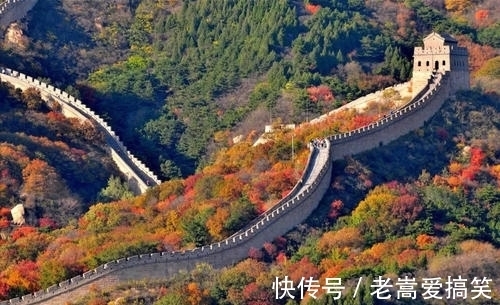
(446, 38)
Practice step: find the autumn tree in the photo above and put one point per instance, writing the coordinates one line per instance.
(215, 223)
(458, 6)
(115, 190)
(23, 277)
(102, 217)
(385, 212)
(32, 98)
(40, 180)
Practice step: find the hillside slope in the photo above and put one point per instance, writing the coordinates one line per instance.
(185, 73)
(56, 166)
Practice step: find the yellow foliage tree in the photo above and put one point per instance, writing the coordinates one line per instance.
(215, 224)
(458, 6)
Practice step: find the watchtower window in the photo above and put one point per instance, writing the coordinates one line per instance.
(419, 63)
(444, 62)
(427, 63)
(436, 65)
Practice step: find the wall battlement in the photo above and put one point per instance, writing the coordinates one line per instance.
(139, 175)
(289, 212)
(443, 50)
(274, 222)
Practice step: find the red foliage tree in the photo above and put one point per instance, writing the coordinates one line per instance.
(406, 207)
(303, 269)
(23, 276)
(47, 222)
(4, 212)
(253, 294)
(407, 257)
(4, 289)
(281, 258)
(190, 181)
(476, 161)
(255, 254)
(4, 223)
(478, 54)
(312, 9)
(335, 209)
(55, 117)
(22, 232)
(481, 17)
(476, 156)
(361, 120)
(280, 242)
(271, 250)
(320, 93)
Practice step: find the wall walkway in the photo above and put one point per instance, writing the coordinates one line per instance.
(12, 10)
(289, 212)
(398, 123)
(140, 177)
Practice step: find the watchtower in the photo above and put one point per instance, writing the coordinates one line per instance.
(440, 53)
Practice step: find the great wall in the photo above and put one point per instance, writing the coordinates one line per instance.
(140, 178)
(271, 224)
(289, 212)
(12, 10)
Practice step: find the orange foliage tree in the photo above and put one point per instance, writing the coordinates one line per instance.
(478, 54)
(23, 276)
(41, 181)
(481, 17)
(312, 8)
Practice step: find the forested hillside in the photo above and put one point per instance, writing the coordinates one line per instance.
(171, 74)
(179, 79)
(56, 166)
(423, 206)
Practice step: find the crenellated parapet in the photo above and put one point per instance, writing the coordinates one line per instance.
(289, 212)
(396, 124)
(139, 175)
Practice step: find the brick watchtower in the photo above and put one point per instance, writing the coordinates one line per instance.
(440, 53)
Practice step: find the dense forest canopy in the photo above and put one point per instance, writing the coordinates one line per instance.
(179, 79)
(181, 71)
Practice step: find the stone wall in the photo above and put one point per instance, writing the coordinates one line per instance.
(398, 123)
(12, 10)
(140, 177)
(290, 211)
